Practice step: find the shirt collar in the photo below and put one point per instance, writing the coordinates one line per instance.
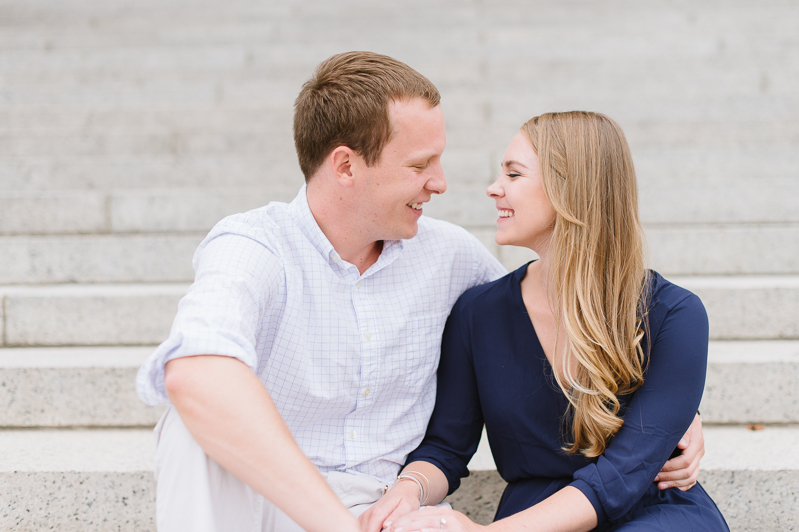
(303, 217)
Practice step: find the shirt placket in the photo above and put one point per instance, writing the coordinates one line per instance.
(356, 434)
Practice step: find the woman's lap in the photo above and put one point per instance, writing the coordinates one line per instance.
(672, 510)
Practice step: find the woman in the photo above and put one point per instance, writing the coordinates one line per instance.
(585, 367)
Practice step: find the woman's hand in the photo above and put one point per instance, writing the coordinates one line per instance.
(401, 499)
(433, 518)
(682, 471)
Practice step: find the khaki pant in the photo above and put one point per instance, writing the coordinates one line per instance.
(196, 494)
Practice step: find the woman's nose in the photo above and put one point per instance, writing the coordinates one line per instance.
(494, 189)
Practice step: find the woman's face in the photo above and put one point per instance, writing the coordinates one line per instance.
(526, 216)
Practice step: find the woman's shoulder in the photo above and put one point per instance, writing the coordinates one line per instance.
(669, 295)
(490, 295)
(668, 300)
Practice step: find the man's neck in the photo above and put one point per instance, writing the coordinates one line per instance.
(342, 230)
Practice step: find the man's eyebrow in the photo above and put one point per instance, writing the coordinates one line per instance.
(422, 157)
(508, 163)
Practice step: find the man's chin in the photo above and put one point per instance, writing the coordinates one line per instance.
(406, 233)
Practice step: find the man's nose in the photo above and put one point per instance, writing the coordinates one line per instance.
(437, 182)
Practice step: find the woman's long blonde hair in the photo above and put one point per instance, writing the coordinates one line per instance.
(596, 278)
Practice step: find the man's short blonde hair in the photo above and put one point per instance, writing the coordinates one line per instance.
(345, 103)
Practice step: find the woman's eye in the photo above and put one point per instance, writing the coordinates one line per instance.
(512, 174)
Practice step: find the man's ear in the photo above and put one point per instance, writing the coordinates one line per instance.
(343, 162)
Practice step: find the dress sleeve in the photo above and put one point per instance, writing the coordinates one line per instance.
(658, 415)
(457, 421)
(236, 279)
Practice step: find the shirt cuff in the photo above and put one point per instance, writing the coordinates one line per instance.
(150, 378)
(592, 497)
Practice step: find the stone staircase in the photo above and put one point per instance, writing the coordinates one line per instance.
(127, 129)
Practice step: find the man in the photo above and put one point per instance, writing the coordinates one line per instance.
(301, 364)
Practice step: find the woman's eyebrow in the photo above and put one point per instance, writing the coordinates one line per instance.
(508, 163)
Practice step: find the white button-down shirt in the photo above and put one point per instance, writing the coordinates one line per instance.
(348, 358)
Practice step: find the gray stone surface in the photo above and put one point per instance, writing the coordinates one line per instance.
(724, 249)
(86, 386)
(748, 307)
(72, 501)
(85, 450)
(194, 210)
(478, 496)
(750, 202)
(752, 382)
(98, 258)
(52, 212)
(90, 314)
(102, 479)
(77, 480)
(755, 501)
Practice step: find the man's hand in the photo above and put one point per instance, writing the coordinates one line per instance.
(401, 499)
(683, 471)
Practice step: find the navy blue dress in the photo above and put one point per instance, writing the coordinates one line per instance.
(494, 371)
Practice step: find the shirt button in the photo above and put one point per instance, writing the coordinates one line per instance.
(366, 392)
(353, 434)
(358, 285)
(368, 336)
(335, 257)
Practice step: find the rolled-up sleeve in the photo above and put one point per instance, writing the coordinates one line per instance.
(236, 278)
(658, 415)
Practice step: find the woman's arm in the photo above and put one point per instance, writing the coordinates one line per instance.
(452, 435)
(568, 510)
(683, 471)
(404, 496)
(659, 412)
(656, 418)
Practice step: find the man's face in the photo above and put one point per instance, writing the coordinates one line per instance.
(409, 172)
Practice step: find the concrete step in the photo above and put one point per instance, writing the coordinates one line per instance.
(66, 147)
(98, 258)
(77, 480)
(73, 387)
(752, 382)
(747, 382)
(82, 27)
(63, 315)
(748, 307)
(272, 167)
(753, 476)
(724, 249)
(172, 210)
(740, 308)
(87, 480)
(465, 203)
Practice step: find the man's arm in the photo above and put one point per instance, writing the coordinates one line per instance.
(231, 415)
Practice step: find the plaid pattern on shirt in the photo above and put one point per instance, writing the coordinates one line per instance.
(348, 359)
